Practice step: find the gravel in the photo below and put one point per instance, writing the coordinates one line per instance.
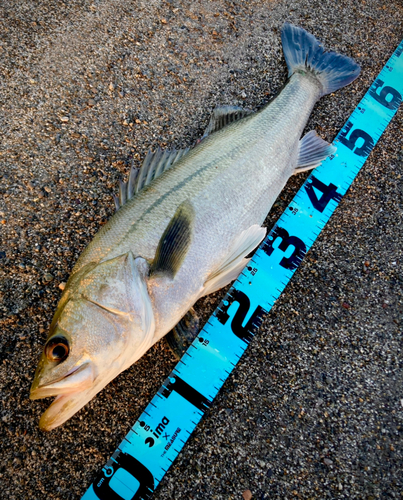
(314, 408)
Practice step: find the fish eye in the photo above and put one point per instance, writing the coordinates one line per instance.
(57, 349)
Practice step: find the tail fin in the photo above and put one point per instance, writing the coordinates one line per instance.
(303, 52)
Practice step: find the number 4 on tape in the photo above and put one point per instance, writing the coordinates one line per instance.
(141, 460)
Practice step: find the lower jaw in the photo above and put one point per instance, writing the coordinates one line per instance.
(49, 418)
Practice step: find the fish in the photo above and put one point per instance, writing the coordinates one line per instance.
(185, 226)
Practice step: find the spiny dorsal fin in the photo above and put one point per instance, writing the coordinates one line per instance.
(175, 242)
(223, 116)
(155, 163)
(312, 151)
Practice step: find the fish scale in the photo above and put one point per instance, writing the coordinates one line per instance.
(152, 444)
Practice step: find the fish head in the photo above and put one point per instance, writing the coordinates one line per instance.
(104, 327)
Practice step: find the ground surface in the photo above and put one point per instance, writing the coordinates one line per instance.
(313, 409)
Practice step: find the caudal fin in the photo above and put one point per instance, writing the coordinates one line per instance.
(303, 52)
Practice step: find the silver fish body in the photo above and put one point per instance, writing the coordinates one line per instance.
(129, 287)
(232, 179)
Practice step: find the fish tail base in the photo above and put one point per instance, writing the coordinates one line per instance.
(304, 53)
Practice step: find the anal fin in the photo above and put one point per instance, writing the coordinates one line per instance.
(183, 334)
(312, 151)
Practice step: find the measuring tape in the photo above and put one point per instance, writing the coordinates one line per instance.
(148, 450)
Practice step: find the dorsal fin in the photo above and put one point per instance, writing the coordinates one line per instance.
(155, 163)
(223, 116)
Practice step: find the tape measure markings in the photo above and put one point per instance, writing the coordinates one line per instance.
(141, 460)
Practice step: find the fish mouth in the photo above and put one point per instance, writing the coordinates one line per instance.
(77, 379)
(72, 392)
(63, 407)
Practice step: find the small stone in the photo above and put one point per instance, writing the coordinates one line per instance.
(91, 102)
(111, 86)
(47, 189)
(62, 285)
(64, 119)
(48, 277)
(346, 305)
(40, 194)
(327, 461)
(247, 495)
(30, 185)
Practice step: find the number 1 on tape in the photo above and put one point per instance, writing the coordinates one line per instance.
(145, 454)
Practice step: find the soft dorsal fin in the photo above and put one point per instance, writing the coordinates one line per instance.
(174, 243)
(236, 260)
(155, 163)
(312, 151)
(223, 116)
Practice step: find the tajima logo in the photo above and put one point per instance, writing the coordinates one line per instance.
(157, 433)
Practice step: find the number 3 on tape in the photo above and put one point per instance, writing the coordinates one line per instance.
(141, 460)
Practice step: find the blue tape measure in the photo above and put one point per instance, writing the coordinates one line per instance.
(146, 453)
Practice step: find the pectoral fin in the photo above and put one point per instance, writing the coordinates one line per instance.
(175, 242)
(236, 260)
(312, 151)
(183, 334)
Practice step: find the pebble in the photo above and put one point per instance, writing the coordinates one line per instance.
(247, 495)
(64, 119)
